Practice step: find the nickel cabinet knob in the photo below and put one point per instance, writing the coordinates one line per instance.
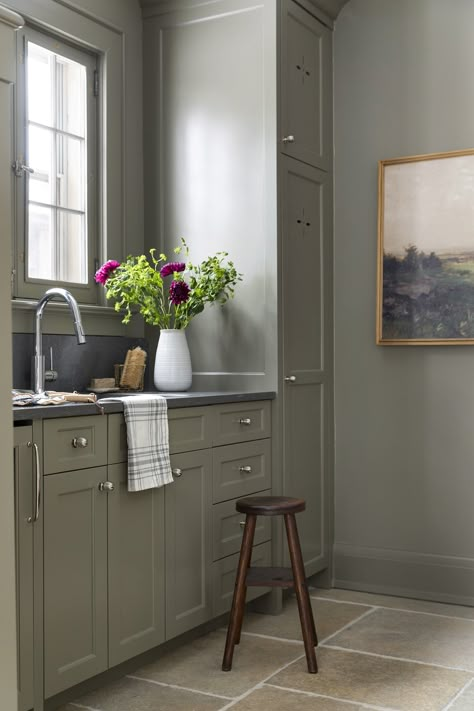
(290, 378)
(245, 470)
(177, 472)
(106, 486)
(288, 139)
(79, 442)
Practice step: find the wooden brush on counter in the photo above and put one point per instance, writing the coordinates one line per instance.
(133, 369)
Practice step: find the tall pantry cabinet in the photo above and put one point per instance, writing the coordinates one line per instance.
(238, 136)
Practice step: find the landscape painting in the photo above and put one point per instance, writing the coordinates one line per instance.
(426, 250)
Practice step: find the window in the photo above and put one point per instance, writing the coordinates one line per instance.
(56, 167)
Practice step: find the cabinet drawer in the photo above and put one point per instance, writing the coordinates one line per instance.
(223, 578)
(241, 469)
(190, 428)
(227, 529)
(240, 422)
(117, 439)
(74, 443)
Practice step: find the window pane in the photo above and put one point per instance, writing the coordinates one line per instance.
(72, 248)
(40, 84)
(40, 158)
(40, 242)
(70, 172)
(71, 88)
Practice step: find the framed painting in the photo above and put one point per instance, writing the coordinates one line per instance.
(425, 275)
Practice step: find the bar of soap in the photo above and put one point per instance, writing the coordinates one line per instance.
(100, 383)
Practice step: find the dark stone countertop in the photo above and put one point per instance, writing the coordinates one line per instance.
(188, 399)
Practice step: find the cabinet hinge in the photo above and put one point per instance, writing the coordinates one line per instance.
(96, 83)
(12, 280)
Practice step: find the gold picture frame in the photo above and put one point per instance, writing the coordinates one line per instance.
(425, 254)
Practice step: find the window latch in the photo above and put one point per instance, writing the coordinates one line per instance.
(20, 169)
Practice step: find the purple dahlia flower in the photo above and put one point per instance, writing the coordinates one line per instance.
(105, 271)
(172, 267)
(179, 292)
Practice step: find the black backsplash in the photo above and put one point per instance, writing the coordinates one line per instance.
(76, 365)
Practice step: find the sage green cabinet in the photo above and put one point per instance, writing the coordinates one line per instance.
(188, 533)
(24, 530)
(136, 595)
(306, 87)
(306, 352)
(75, 578)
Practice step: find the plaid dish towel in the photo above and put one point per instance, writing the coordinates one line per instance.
(146, 417)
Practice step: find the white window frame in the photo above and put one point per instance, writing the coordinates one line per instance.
(25, 286)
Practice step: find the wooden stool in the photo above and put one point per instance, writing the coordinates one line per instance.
(271, 577)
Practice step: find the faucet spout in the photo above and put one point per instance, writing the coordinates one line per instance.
(38, 360)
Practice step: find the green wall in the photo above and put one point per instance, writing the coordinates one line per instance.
(404, 415)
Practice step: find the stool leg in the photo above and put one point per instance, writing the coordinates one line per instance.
(240, 589)
(308, 628)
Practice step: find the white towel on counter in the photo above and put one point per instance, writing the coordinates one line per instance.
(146, 417)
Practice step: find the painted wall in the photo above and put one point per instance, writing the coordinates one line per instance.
(210, 172)
(404, 416)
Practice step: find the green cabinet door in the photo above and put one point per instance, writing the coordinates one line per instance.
(188, 543)
(136, 568)
(24, 510)
(75, 577)
(306, 87)
(307, 351)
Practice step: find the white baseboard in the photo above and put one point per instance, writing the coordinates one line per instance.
(391, 572)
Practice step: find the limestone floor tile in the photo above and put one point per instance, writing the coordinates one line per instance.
(328, 616)
(269, 697)
(131, 695)
(427, 638)
(365, 679)
(465, 702)
(401, 603)
(197, 665)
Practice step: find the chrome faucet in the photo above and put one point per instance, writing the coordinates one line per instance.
(38, 359)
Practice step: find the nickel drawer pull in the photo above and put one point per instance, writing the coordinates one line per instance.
(245, 421)
(35, 517)
(79, 442)
(177, 472)
(242, 524)
(245, 470)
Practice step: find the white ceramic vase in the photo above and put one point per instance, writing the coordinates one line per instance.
(173, 371)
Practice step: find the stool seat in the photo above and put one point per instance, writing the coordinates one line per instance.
(270, 505)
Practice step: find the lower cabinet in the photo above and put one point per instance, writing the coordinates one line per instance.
(24, 539)
(136, 568)
(103, 573)
(188, 542)
(75, 578)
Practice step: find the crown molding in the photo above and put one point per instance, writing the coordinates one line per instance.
(11, 18)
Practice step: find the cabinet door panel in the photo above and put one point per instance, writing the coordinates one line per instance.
(306, 87)
(188, 543)
(23, 468)
(136, 568)
(75, 578)
(306, 254)
(224, 573)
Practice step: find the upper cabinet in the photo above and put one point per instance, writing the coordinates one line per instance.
(306, 93)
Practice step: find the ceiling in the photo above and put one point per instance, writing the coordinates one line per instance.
(330, 7)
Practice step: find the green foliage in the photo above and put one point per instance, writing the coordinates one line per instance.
(137, 282)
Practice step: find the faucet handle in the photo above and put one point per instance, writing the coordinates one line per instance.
(51, 374)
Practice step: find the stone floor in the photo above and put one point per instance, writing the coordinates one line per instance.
(376, 652)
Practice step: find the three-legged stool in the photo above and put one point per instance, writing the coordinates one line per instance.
(271, 577)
